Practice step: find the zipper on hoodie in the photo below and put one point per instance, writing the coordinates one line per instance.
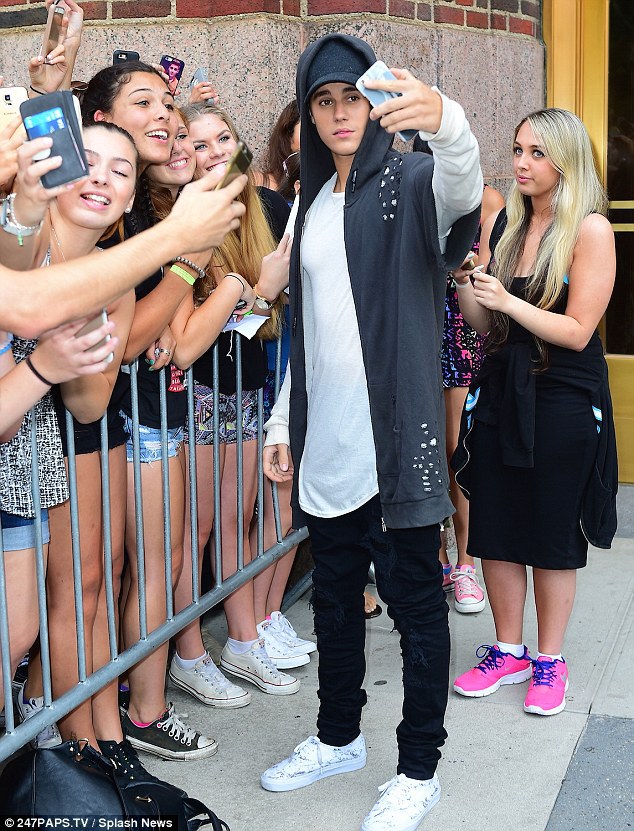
(353, 183)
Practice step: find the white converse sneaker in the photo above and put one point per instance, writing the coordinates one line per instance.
(403, 804)
(49, 736)
(206, 683)
(310, 761)
(285, 632)
(256, 666)
(281, 653)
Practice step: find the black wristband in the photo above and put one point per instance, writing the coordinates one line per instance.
(41, 378)
(38, 91)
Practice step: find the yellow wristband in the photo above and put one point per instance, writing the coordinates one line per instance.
(185, 275)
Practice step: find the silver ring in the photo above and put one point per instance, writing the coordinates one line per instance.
(164, 351)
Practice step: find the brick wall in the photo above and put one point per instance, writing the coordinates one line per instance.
(521, 17)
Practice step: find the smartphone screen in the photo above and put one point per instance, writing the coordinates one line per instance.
(53, 29)
(238, 163)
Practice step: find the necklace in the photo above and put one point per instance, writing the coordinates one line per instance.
(57, 243)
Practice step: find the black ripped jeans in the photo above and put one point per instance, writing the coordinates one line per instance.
(409, 581)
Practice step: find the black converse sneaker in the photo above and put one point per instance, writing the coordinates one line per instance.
(169, 738)
(127, 766)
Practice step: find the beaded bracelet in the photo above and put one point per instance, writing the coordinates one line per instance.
(200, 271)
(185, 275)
(39, 376)
(11, 225)
(6, 346)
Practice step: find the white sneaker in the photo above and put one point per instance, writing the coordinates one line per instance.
(310, 761)
(256, 666)
(285, 632)
(49, 736)
(282, 654)
(206, 683)
(403, 804)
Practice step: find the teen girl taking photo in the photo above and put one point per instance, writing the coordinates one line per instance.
(536, 455)
(134, 96)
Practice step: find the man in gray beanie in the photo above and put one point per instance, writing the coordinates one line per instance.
(378, 232)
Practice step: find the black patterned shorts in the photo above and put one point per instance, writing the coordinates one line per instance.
(228, 431)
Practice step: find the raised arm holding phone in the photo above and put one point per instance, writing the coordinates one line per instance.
(374, 384)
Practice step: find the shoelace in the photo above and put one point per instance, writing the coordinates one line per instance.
(284, 624)
(466, 579)
(175, 727)
(33, 706)
(544, 672)
(396, 791)
(261, 654)
(491, 658)
(213, 674)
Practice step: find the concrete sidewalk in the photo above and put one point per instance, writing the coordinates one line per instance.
(501, 769)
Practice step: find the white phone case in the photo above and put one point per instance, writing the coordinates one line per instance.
(379, 72)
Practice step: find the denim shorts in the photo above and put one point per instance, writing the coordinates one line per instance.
(150, 441)
(18, 532)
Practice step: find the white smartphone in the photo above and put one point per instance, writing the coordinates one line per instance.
(200, 76)
(93, 324)
(379, 72)
(10, 100)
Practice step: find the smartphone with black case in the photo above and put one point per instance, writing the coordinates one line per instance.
(55, 115)
(238, 163)
(124, 55)
(53, 29)
(10, 100)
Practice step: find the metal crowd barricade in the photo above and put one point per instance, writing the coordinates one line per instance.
(17, 735)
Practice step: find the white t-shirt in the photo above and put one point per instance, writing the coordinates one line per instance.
(337, 473)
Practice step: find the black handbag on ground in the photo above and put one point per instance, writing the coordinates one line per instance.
(72, 779)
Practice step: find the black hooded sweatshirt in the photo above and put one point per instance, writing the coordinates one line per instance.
(398, 275)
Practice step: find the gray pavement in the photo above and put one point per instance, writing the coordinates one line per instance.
(501, 769)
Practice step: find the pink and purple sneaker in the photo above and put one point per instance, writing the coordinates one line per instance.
(495, 669)
(546, 694)
(447, 582)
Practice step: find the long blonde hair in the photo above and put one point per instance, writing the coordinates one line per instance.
(243, 249)
(578, 193)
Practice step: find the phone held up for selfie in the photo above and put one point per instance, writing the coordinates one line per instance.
(10, 100)
(200, 76)
(379, 72)
(93, 324)
(238, 163)
(124, 55)
(55, 115)
(173, 68)
(53, 29)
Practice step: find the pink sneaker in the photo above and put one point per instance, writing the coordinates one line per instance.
(495, 668)
(447, 584)
(546, 694)
(469, 596)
